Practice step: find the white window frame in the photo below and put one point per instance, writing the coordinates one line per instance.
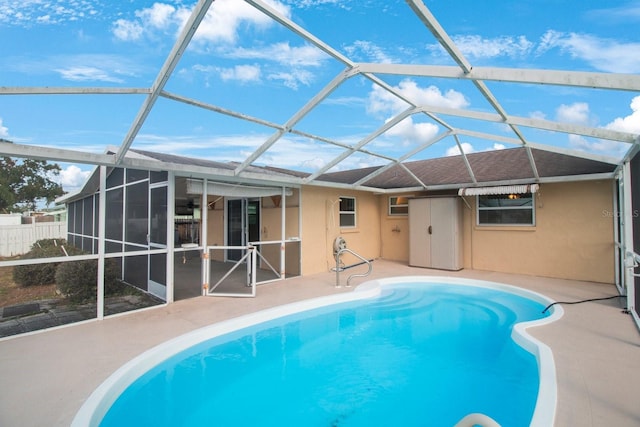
(504, 208)
(353, 213)
(398, 205)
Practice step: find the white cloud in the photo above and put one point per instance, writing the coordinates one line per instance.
(630, 123)
(383, 102)
(158, 16)
(104, 68)
(242, 73)
(468, 148)
(81, 74)
(607, 147)
(577, 113)
(297, 153)
(72, 178)
(293, 78)
(4, 131)
(27, 12)
(548, 41)
(283, 53)
(602, 54)
(225, 16)
(220, 24)
(315, 3)
(127, 30)
(475, 46)
(411, 132)
(362, 50)
(539, 115)
(455, 150)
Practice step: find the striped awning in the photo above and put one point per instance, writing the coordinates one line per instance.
(502, 189)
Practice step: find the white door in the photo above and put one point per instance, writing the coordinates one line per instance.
(420, 232)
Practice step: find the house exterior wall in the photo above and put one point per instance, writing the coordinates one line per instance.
(572, 239)
(321, 226)
(270, 228)
(394, 231)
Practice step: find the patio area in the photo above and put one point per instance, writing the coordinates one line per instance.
(45, 377)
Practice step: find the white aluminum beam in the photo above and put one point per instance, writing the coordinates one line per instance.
(611, 81)
(299, 115)
(382, 129)
(430, 21)
(248, 118)
(273, 14)
(220, 110)
(405, 156)
(569, 128)
(544, 147)
(189, 29)
(44, 90)
(432, 24)
(464, 157)
(59, 154)
(340, 144)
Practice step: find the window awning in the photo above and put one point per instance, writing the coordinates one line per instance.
(194, 186)
(503, 189)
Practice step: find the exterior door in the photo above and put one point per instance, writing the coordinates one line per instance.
(158, 240)
(419, 236)
(435, 226)
(243, 225)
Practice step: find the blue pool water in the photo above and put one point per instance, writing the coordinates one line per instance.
(418, 355)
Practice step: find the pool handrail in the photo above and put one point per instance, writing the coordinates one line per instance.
(477, 419)
(338, 268)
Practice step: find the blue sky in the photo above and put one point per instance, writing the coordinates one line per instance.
(242, 61)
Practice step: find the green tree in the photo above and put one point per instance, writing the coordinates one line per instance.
(25, 183)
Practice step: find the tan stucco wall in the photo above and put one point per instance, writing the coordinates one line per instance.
(572, 239)
(215, 225)
(321, 226)
(394, 232)
(271, 229)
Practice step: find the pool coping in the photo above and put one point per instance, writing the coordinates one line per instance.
(101, 399)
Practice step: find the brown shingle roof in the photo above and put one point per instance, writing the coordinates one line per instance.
(488, 166)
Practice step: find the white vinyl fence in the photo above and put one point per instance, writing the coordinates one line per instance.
(17, 239)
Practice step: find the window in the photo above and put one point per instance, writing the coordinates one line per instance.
(399, 205)
(506, 209)
(347, 212)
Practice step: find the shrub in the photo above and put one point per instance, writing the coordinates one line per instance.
(41, 274)
(77, 280)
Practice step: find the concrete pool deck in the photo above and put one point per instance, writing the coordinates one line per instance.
(45, 377)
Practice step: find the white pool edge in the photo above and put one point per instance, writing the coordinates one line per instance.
(96, 406)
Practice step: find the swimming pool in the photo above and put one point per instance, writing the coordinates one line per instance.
(402, 351)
